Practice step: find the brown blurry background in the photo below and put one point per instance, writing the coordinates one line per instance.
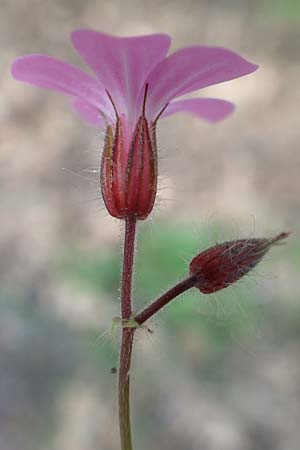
(218, 373)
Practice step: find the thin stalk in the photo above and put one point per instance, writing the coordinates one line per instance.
(127, 335)
(164, 299)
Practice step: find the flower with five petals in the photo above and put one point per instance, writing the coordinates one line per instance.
(135, 82)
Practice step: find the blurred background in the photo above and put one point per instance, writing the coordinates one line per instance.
(219, 372)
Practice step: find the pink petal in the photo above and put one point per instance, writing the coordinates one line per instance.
(193, 68)
(50, 73)
(88, 113)
(121, 64)
(210, 109)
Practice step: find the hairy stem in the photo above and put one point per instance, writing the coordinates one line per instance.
(162, 301)
(127, 335)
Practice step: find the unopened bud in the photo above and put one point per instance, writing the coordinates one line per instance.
(224, 264)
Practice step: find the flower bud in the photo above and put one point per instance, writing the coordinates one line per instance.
(224, 264)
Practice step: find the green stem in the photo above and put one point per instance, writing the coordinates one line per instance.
(127, 335)
(124, 388)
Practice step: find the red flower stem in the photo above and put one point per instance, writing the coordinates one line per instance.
(130, 225)
(162, 301)
(127, 335)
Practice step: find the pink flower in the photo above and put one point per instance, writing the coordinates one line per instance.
(135, 84)
(123, 66)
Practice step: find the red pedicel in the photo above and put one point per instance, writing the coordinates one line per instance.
(224, 264)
